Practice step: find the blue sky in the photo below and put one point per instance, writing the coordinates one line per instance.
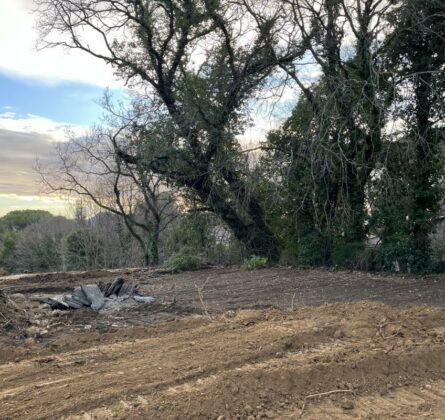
(68, 102)
(34, 115)
(42, 93)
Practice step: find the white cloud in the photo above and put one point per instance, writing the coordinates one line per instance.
(23, 140)
(30, 123)
(20, 58)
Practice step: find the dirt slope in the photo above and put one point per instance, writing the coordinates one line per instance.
(389, 363)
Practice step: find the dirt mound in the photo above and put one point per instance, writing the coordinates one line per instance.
(13, 318)
(360, 360)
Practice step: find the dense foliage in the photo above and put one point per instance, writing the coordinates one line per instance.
(353, 178)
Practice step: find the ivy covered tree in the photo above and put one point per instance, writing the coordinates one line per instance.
(417, 56)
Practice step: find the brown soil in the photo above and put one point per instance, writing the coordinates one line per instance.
(13, 318)
(258, 362)
(342, 360)
(232, 288)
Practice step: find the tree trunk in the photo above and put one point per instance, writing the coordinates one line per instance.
(424, 175)
(355, 229)
(249, 228)
(154, 246)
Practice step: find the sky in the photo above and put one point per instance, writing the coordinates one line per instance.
(45, 93)
(42, 95)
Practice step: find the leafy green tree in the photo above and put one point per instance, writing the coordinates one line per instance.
(350, 100)
(10, 227)
(417, 55)
(40, 247)
(19, 219)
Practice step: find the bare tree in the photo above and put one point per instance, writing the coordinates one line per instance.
(90, 167)
(203, 60)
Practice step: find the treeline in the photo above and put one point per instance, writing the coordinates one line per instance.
(353, 178)
(37, 241)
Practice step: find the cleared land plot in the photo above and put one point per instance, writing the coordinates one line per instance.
(360, 359)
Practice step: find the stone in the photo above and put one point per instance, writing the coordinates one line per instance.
(144, 299)
(127, 289)
(142, 400)
(72, 303)
(347, 405)
(104, 286)
(33, 331)
(339, 334)
(56, 304)
(115, 287)
(248, 409)
(79, 296)
(94, 295)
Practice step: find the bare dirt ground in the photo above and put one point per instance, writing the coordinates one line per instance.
(278, 343)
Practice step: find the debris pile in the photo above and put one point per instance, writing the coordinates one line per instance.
(100, 296)
(13, 318)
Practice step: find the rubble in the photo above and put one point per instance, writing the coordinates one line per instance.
(100, 296)
(13, 317)
(94, 295)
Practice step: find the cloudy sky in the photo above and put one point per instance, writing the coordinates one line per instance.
(42, 94)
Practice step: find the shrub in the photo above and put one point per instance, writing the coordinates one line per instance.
(254, 263)
(185, 260)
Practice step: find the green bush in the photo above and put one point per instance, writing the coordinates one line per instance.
(254, 263)
(185, 260)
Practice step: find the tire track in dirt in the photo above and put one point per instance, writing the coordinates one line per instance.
(422, 402)
(267, 360)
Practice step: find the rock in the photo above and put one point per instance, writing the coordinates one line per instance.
(127, 289)
(347, 405)
(102, 328)
(142, 400)
(33, 331)
(94, 295)
(270, 414)
(56, 304)
(339, 334)
(56, 312)
(79, 296)
(144, 299)
(104, 286)
(248, 409)
(115, 287)
(72, 303)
